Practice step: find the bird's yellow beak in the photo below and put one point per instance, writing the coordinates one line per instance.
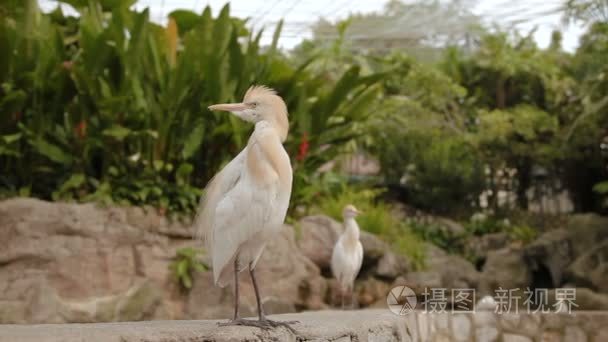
(229, 107)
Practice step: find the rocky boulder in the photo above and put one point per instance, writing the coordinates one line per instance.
(505, 268)
(288, 281)
(82, 263)
(586, 231)
(480, 246)
(442, 270)
(552, 251)
(320, 326)
(63, 262)
(572, 254)
(317, 236)
(591, 268)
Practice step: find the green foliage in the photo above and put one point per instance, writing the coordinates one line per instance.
(601, 187)
(486, 225)
(108, 106)
(517, 231)
(185, 263)
(505, 106)
(458, 242)
(519, 132)
(438, 235)
(406, 242)
(112, 107)
(443, 174)
(419, 137)
(325, 124)
(308, 189)
(524, 234)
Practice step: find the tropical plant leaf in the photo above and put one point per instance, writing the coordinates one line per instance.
(194, 140)
(601, 188)
(117, 132)
(186, 20)
(51, 151)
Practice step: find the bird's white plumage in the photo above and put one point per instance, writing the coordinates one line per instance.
(347, 255)
(244, 207)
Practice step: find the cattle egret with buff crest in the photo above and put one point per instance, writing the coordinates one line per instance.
(347, 256)
(245, 204)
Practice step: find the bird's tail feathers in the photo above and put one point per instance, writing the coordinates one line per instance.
(203, 221)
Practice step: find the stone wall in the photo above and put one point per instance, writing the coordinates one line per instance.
(581, 326)
(377, 325)
(83, 263)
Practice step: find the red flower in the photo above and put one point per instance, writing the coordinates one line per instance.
(303, 148)
(81, 129)
(67, 65)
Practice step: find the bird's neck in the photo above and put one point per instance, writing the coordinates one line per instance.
(265, 128)
(351, 229)
(280, 124)
(265, 146)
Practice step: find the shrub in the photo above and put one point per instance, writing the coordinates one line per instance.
(441, 237)
(523, 233)
(109, 106)
(185, 263)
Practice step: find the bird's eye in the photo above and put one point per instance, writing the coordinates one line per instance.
(254, 104)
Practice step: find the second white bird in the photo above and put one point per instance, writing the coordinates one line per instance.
(347, 256)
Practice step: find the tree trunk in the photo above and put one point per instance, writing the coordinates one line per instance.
(524, 180)
(501, 93)
(579, 180)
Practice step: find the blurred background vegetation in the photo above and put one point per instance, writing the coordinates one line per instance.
(111, 107)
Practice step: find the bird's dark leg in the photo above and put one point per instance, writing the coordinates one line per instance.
(352, 297)
(261, 316)
(236, 319)
(262, 322)
(236, 289)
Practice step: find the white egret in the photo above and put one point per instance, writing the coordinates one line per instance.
(245, 204)
(347, 256)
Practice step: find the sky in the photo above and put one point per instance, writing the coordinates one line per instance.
(299, 14)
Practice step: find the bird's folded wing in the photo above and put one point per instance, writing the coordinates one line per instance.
(358, 257)
(244, 213)
(214, 192)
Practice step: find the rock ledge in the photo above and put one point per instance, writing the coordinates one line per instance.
(377, 325)
(342, 326)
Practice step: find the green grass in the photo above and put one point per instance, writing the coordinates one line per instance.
(523, 233)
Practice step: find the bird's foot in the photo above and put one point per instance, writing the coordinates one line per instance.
(276, 324)
(261, 323)
(236, 321)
